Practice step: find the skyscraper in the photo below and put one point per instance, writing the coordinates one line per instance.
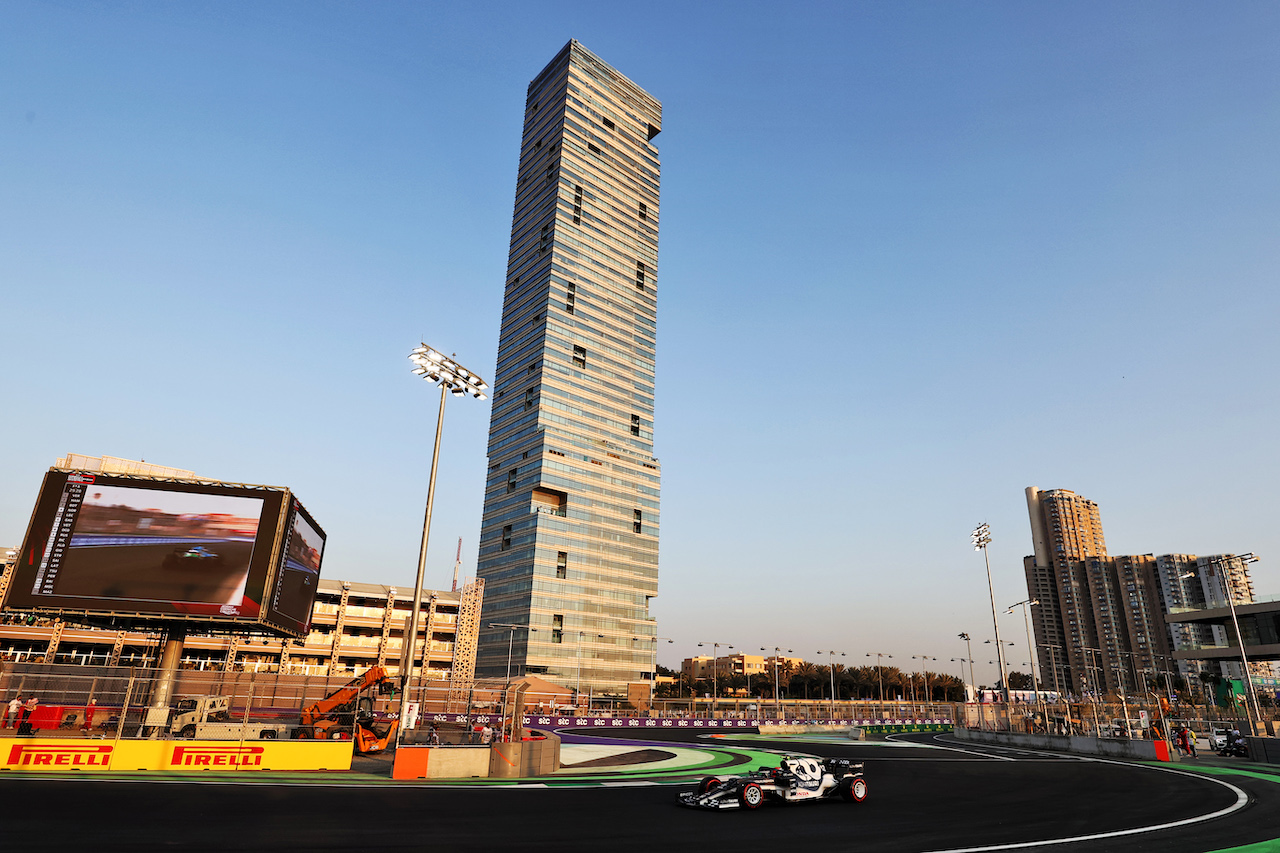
(1066, 531)
(1100, 624)
(569, 537)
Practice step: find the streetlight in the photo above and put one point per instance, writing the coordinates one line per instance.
(1031, 652)
(510, 641)
(981, 537)
(880, 676)
(973, 680)
(1231, 603)
(831, 667)
(925, 668)
(452, 378)
(715, 671)
(653, 681)
(777, 706)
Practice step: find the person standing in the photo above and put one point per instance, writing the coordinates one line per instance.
(10, 715)
(30, 709)
(89, 710)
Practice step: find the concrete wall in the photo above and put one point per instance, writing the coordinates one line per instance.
(1264, 749)
(525, 758)
(440, 762)
(1143, 750)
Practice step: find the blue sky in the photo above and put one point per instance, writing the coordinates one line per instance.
(914, 258)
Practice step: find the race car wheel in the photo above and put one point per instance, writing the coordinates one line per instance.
(751, 796)
(708, 783)
(853, 789)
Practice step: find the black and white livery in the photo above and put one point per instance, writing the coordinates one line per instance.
(795, 780)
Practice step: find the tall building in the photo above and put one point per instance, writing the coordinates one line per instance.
(1188, 582)
(1066, 529)
(1100, 624)
(569, 537)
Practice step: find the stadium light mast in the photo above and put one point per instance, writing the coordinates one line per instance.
(981, 537)
(452, 378)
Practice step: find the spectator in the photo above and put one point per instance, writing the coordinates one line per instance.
(11, 713)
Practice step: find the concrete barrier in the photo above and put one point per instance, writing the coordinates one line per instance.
(1264, 749)
(810, 729)
(440, 762)
(525, 758)
(1142, 750)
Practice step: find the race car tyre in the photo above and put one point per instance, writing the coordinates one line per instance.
(708, 783)
(853, 789)
(751, 796)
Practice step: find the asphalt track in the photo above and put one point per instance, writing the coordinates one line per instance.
(929, 794)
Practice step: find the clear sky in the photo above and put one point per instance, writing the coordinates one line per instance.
(914, 258)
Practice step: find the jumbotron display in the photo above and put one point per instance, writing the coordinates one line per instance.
(294, 590)
(143, 549)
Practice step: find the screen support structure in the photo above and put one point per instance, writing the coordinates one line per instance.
(167, 673)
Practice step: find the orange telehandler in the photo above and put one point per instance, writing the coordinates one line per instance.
(345, 713)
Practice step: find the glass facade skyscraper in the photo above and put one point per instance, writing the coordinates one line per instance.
(569, 538)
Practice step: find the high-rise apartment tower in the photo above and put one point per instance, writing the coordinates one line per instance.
(1066, 529)
(1100, 621)
(569, 538)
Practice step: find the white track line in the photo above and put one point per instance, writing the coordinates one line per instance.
(985, 755)
(1242, 800)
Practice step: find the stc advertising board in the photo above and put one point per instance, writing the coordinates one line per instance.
(144, 550)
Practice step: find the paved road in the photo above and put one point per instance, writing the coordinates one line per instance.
(923, 797)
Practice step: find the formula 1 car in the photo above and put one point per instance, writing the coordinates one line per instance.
(795, 780)
(196, 556)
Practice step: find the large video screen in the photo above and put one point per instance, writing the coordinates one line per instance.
(99, 543)
(298, 575)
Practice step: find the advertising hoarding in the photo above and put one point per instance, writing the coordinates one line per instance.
(140, 549)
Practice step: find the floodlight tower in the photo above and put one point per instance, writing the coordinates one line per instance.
(981, 537)
(452, 378)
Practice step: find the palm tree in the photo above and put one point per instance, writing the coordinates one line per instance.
(838, 674)
(805, 674)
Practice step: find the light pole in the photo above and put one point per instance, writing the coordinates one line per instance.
(831, 667)
(510, 640)
(925, 669)
(880, 676)
(715, 671)
(961, 662)
(453, 378)
(653, 686)
(973, 682)
(777, 705)
(1031, 650)
(1244, 660)
(981, 537)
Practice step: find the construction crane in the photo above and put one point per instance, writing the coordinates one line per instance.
(457, 563)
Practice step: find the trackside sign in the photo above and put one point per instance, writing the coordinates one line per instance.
(58, 756)
(189, 755)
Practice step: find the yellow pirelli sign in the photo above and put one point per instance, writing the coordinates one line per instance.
(62, 755)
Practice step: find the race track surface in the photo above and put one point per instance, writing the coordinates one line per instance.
(927, 793)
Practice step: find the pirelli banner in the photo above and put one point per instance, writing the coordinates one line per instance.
(62, 755)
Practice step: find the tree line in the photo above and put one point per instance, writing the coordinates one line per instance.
(813, 681)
